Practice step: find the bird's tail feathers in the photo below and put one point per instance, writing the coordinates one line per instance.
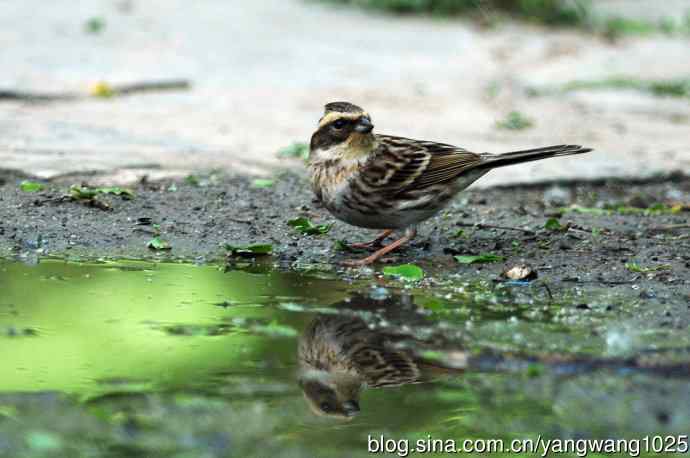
(516, 157)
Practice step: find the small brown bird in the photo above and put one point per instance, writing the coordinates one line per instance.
(393, 183)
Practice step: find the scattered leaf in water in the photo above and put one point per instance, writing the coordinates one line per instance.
(262, 183)
(31, 186)
(297, 149)
(521, 272)
(157, 244)
(8, 411)
(43, 441)
(405, 271)
(634, 267)
(22, 332)
(198, 330)
(305, 226)
(471, 259)
(460, 233)
(535, 369)
(249, 251)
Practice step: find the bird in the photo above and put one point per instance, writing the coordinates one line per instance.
(393, 183)
(339, 355)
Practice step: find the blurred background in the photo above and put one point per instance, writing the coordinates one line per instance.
(488, 75)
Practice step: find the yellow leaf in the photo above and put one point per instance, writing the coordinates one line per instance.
(101, 89)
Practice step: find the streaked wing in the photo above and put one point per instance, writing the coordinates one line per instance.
(400, 163)
(381, 366)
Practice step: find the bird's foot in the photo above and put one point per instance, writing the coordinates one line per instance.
(372, 244)
(409, 235)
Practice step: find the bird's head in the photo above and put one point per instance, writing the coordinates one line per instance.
(330, 394)
(344, 132)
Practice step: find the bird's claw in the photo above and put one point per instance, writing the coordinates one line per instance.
(375, 245)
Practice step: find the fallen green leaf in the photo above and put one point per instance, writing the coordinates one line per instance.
(101, 89)
(405, 271)
(31, 186)
(470, 259)
(192, 180)
(94, 25)
(262, 183)
(85, 192)
(297, 149)
(515, 121)
(305, 226)
(341, 245)
(249, 251)
(552, 224)
(157, 244)
(116, 190)
(634, 267)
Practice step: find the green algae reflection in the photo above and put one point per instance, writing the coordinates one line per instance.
(86, 329)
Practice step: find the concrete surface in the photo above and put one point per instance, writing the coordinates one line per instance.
(262, 70)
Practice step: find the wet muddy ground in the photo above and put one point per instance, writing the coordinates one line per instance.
(617, 234)
(161, 358)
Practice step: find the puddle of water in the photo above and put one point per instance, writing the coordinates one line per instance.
(79, 327)
(140, 352)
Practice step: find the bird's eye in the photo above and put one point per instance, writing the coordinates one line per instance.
(339, 124)
(326, 407)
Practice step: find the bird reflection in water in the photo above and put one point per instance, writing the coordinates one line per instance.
(342, 354)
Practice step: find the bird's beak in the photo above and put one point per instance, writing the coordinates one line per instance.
(364, 126)
(351, 408)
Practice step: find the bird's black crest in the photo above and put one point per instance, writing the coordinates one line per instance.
(342, 107)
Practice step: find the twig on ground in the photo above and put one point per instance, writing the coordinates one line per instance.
(242, 221)
(491, 226)
(105, 91)
(151, 86)
(24, 96)
(669, 227)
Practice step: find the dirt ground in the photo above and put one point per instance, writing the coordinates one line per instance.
(640, 248)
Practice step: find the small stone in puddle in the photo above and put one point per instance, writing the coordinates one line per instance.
(521, 272)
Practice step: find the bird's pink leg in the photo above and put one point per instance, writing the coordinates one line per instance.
(373, 243)
(409, 235)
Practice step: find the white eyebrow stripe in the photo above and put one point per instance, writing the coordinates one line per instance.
(332, 116)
